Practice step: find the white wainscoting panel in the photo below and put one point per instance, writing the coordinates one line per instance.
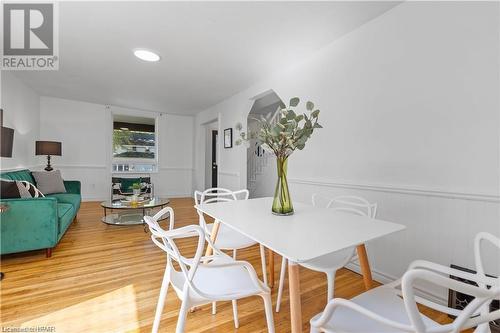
(96, 180)
(173, 182)
(440, 226)
(229, 180)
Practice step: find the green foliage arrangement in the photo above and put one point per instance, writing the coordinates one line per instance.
(291, 131)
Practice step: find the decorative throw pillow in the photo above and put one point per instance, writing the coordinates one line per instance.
(9, 189)
(28, 190)
(49, 181)
(18, 189)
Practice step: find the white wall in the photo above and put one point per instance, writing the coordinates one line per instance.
(232, 172)
(21, 106)
(410, 109)
(85, 130)
(176, 140)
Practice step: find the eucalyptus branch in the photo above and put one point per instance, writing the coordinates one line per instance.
(291, 131)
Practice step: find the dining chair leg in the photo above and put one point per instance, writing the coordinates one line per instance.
(281, 284)
(235, 313)
(235, 305)
(161, 301)
(314, 330)
(214, 308)
(181, 321)
(268, 307)
(330, 278)
(263, 263)
(209, 251)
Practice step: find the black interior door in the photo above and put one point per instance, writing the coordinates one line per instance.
(214, 158)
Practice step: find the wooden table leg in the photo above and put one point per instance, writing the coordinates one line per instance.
(213, 237)
(295, 303)
(271, 268)
(365, 266)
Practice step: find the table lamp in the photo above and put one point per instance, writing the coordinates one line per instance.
(49, 148)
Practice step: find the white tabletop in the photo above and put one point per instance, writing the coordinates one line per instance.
(307, 234)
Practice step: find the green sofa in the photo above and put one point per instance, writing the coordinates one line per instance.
(37, 223)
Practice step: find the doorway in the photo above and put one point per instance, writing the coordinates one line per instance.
(261, 165)
(211, 154)
(215, 137)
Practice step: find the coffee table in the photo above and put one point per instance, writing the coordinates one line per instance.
(128, 213)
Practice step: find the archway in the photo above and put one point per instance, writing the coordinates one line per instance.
(261, 173)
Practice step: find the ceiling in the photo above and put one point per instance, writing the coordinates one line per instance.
(209, 50)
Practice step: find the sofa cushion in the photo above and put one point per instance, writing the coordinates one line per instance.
(18, 189)
(63, 208)
(18, 175)
(65, 214)
(69, 198)
(73, 186)
(9, 189)
(49, 181)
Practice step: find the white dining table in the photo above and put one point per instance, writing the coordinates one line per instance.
(309, 233)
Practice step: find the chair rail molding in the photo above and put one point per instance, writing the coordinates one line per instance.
(227, 173)
(29, 167)
(176, 168)
(82, 166)
(401, 189)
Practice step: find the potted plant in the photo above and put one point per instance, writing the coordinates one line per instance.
(136, 188)
(290, 132)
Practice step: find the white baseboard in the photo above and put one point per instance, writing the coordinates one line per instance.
(376, 275)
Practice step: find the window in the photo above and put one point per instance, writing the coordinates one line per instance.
(134, 144)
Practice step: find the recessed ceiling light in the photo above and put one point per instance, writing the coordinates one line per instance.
(146, 55)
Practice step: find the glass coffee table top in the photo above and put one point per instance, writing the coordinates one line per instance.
(124, 212)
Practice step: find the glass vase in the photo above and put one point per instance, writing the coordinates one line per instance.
(282, 203)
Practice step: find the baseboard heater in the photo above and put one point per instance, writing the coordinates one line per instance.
(458, 300)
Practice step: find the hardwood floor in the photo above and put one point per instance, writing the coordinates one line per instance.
(104, 278)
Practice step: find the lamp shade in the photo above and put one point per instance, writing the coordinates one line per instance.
(48, 148)
(7, 141)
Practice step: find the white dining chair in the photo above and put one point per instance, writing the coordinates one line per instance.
(203, 279)
(227, 239)
(330, 263)
(393, 307)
